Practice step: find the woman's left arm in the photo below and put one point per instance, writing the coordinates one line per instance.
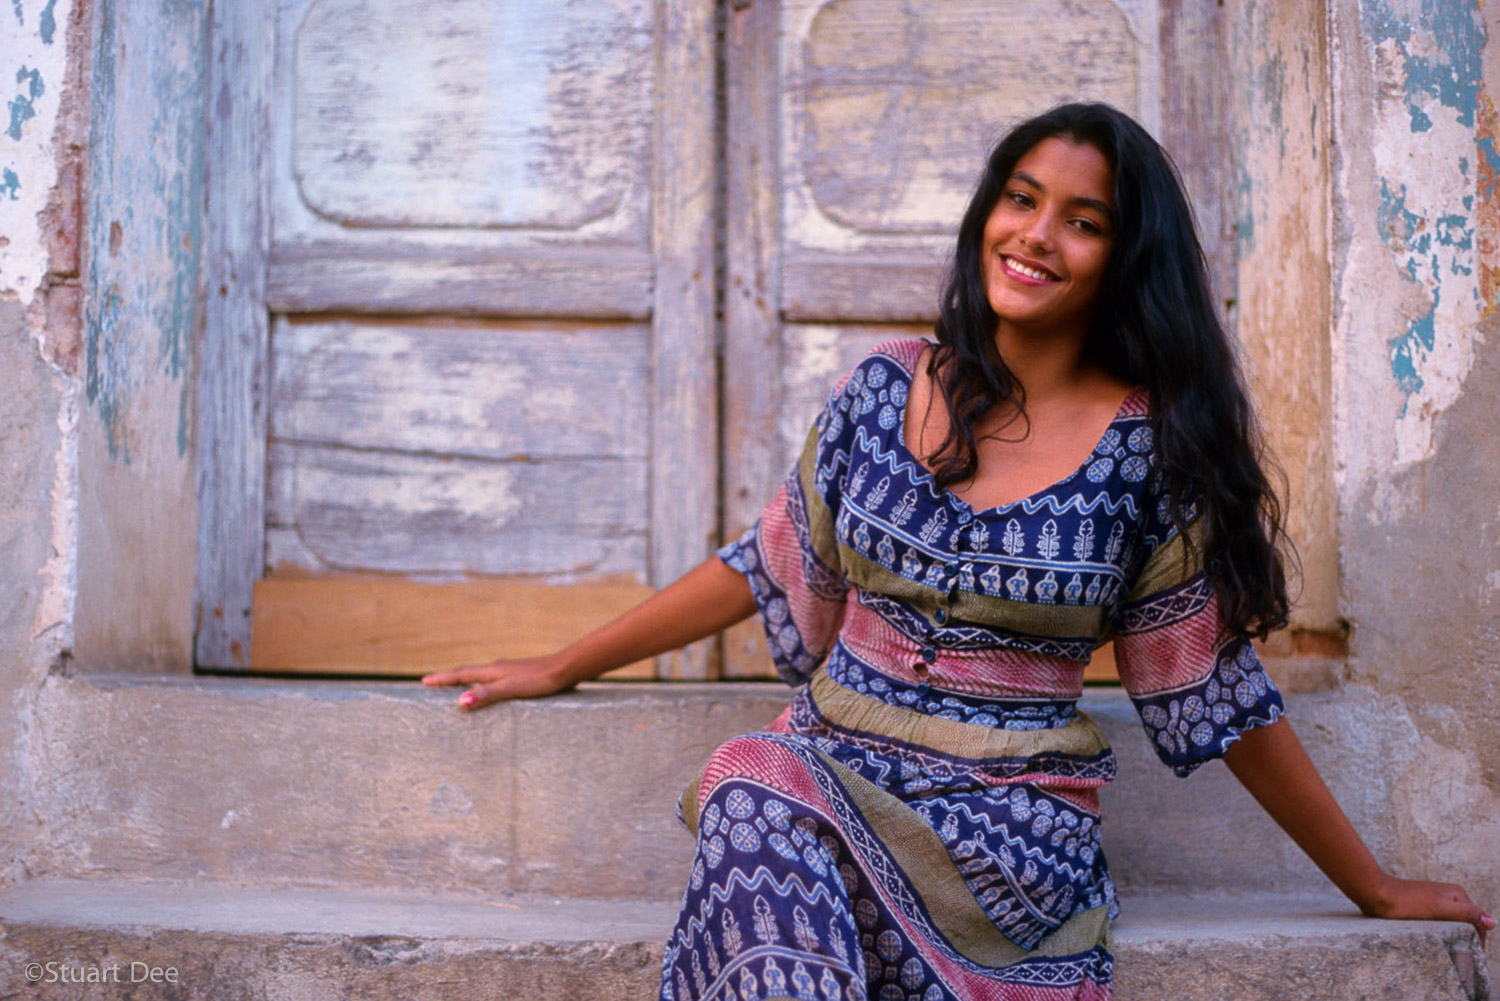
(1270, 762)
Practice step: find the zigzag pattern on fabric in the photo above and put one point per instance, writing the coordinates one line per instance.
(1034, 851)
(718, 893)
(897, 891)
(917, 476)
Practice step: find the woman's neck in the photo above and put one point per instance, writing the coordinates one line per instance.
(1047, 365)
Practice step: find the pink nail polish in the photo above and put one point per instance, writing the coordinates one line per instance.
(466, 699)
(1487, 921)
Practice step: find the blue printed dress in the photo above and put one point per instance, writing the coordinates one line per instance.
(922, 823)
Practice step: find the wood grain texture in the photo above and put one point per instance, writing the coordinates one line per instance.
(471, 129)
(1194, 123)
(498, 391)
(472, 114)
(582, 283)
(684, 437)
(354, 510)
(404, 628)
(826, 288)
(231, 428)
(890, 107)
(752, 295)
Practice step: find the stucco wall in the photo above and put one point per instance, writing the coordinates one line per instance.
(1416, 373)
(39, 384)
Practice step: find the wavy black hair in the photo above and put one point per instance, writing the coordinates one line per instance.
(1154, 325)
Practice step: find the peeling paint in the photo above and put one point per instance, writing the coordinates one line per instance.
(146, 207)
(22, 106)
(31, 68)
(1431, 107)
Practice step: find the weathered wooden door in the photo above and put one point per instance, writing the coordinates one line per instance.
(461, 323)
(857, 129)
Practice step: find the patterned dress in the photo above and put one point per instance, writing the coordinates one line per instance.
(922, 823)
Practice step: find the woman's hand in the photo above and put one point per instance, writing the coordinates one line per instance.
(1420, 900)
(703, 601)
(1270, 762)
(523, 678)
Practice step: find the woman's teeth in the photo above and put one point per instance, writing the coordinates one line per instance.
(1020, 268)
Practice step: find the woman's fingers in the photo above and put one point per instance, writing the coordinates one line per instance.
(465, 675)
(501, 679)
(1420, 899)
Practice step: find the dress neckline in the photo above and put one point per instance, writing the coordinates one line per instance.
(925, 475)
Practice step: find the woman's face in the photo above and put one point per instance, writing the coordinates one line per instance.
(1048, 238)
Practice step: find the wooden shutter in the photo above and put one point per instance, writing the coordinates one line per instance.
(464, 329)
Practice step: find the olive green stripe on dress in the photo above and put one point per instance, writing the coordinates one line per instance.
(920, 853)
(1053, 621)
(1171, 564)
(853, 711)
(819, 518)
(690, 802)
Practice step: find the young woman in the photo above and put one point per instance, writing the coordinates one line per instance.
(1074, 461)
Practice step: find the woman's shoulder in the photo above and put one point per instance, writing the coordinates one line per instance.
(904, 351)
(901, 353)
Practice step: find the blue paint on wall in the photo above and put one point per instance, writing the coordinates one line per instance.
(21, 108)
(1443, 68)
(48, 25)
(10, 185)
(1400, 228)
(1421, 332)
(1455, 75)
(17, 5)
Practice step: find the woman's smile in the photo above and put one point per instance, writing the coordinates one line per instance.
(1026, 271)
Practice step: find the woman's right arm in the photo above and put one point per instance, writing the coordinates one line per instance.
(705, 600)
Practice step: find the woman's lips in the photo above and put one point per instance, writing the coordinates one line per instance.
(1026, 272)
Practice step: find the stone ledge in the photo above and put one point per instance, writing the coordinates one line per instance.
(231, 943)
(387, 784)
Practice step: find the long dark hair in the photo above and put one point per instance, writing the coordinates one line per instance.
(1154, 325)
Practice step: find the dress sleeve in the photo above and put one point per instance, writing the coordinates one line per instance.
(1196, 688)
(790, 556)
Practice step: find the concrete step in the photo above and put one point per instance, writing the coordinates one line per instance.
(231, 943)
(387, 785)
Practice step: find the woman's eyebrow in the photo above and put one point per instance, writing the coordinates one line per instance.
(1092, 203)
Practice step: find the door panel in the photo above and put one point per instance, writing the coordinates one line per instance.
(489, 273)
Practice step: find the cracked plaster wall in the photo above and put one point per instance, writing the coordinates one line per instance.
(41, 139)
(1416, 343)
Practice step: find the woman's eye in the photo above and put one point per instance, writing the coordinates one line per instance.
(1021, 198)
(1088, 226)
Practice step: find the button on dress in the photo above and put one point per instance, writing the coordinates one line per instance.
(922, 822)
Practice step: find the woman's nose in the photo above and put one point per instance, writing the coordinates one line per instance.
(1038, 232)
